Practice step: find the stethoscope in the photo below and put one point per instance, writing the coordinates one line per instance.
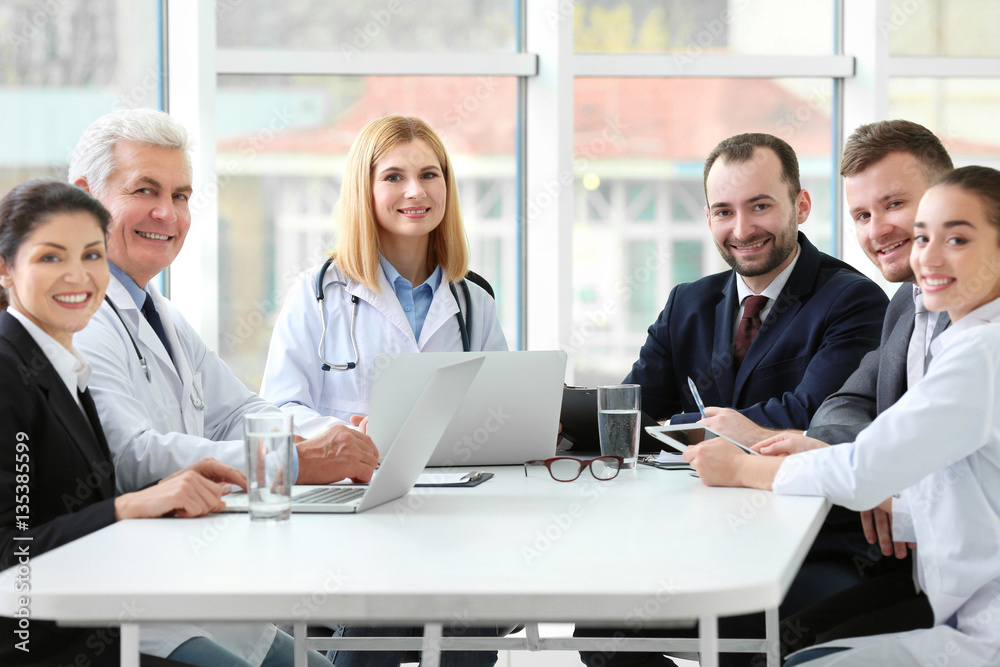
(196, 399)
(463, 327)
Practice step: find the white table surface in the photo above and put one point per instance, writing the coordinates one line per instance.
(511, 549)
(653, 545)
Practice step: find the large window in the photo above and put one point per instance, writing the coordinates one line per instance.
(281, 151)
(356, 27)
(63, 64)
(640, 226)
(692, 28)
(578, 131)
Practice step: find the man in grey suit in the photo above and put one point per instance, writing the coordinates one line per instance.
(887, 167)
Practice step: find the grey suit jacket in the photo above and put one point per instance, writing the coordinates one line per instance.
(878, 383)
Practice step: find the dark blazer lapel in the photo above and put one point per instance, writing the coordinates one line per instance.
(788, 303)
(39, 369)
(725, 321)
(107, 481)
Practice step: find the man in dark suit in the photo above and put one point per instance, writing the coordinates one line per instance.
(819, 319)
(887, 167)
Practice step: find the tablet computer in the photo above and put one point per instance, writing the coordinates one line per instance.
(681, 436)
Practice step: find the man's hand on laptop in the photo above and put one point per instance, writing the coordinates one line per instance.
(340, 452)
(733, 424)
(360, 422)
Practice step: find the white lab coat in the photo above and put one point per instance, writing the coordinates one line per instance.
(155, 428)
(938, 447)
(293, 379)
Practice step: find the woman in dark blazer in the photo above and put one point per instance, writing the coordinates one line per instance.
(57, 479)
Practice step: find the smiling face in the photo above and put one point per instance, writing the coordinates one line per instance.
(882, 201)
(147, 196)
(956, 252)
(408, 192)
(59, 274)
(753, 218)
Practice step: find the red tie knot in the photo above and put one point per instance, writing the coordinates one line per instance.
(753, 305)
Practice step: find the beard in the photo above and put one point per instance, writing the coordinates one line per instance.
(782, 246)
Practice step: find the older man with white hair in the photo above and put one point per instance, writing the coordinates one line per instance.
(165, 398)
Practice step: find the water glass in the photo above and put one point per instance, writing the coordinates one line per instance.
(268, 439)
(618, 409)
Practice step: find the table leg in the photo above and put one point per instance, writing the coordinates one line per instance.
(772, 634)
(708, 634)
(430, 654)
(299, 651)
(129, 640)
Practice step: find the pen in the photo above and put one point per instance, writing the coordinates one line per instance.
(697, 398)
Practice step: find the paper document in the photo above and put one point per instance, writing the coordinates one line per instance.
(670, 457)
(443, 478)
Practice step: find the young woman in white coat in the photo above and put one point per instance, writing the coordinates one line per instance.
(395, 283)
(933, 459)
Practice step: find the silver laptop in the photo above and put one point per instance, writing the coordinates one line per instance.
(433, 407)
(510, 415)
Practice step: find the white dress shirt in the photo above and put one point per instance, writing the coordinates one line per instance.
(772, 291)
(69, 364)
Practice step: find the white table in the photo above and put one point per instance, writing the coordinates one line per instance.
(650, 546)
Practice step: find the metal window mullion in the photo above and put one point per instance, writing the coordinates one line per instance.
(376, 63)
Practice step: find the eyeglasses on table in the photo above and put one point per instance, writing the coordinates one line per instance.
(567, 468)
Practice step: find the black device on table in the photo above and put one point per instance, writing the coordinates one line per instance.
(579, 423)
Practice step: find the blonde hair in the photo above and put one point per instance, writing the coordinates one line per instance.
(357, 250)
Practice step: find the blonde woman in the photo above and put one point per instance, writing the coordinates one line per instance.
(395, 283)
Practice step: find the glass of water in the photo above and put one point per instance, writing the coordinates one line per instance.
(268, 441)
(618, 418)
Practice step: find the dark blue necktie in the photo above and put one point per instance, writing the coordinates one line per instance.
(153, 317)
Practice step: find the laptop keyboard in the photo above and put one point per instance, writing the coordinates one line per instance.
(330, 495)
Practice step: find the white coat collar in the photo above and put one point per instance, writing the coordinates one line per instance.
(140, 328)
(386, 302)
(986, 314)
